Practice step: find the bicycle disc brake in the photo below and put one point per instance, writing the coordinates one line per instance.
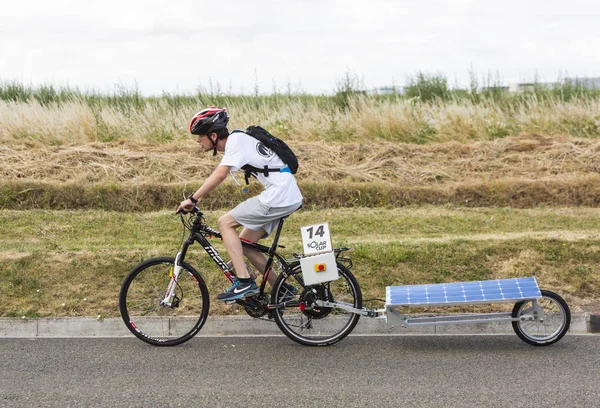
(175, 302)
(310, 295)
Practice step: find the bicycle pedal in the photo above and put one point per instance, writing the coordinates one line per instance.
(230, 302)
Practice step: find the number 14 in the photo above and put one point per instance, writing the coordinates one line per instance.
(319, 232)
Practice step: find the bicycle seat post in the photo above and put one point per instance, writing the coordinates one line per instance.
(274, 245)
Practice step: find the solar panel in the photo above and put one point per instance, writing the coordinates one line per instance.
(489, 291)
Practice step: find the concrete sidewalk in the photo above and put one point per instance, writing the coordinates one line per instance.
(244, 325)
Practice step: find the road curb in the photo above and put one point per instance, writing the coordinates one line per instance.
(594, 323)
(581, 323)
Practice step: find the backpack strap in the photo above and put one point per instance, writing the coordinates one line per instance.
(250, 170)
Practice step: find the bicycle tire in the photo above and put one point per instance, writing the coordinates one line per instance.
(140, 296)
(314, 326)
(555, 310)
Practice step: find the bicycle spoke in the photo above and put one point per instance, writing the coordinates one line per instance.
(316, 325)
(543, 330)
(157, 324)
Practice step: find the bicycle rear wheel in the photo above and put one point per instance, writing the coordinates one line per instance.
(315, 326)
(141, 294)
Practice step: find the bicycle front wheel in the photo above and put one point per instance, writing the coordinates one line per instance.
(305, 323)
(141, 309)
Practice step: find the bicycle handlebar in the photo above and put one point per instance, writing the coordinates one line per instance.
(195, 210)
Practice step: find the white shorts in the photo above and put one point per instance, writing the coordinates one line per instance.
(255, 215)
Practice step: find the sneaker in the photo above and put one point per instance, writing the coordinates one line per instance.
(288, 292)
(239, 290)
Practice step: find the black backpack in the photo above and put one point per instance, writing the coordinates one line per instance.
(278, 146)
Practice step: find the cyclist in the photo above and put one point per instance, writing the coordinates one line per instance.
(258, 215)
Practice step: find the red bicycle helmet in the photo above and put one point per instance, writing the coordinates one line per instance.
(208, 120)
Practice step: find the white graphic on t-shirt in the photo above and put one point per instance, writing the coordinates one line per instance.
(263, 150)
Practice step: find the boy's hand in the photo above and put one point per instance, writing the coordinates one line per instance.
(185, 206)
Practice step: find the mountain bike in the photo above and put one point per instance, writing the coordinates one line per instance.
(165, 301)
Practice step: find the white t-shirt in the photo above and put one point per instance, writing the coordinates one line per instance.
(281, 189)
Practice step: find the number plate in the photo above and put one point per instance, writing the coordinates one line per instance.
(316, 239)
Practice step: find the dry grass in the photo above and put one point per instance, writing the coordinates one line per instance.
(526, 157)
(373, 153)
(523, 171)
(364, 119)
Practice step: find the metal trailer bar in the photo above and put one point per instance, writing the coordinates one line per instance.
(349, 308)
(395, 318)
(453, 294)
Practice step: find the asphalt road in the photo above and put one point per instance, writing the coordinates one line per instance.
(419, 371)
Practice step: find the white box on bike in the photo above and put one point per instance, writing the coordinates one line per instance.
(319, 268)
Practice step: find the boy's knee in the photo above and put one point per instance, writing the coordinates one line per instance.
(226, 221)
(221, 222)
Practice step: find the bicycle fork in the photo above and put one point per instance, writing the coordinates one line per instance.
(168, 299)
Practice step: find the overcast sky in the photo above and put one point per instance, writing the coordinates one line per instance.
(176, 46)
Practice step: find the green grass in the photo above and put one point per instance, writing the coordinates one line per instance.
(51, 258)
(96, 230)
(581, 191)
(422, 86)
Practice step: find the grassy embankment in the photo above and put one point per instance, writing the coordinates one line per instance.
(125, 153)
(51, 258)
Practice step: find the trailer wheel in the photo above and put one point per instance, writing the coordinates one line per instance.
(546, 329)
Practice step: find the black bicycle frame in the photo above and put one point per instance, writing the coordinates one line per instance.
(199, 233)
